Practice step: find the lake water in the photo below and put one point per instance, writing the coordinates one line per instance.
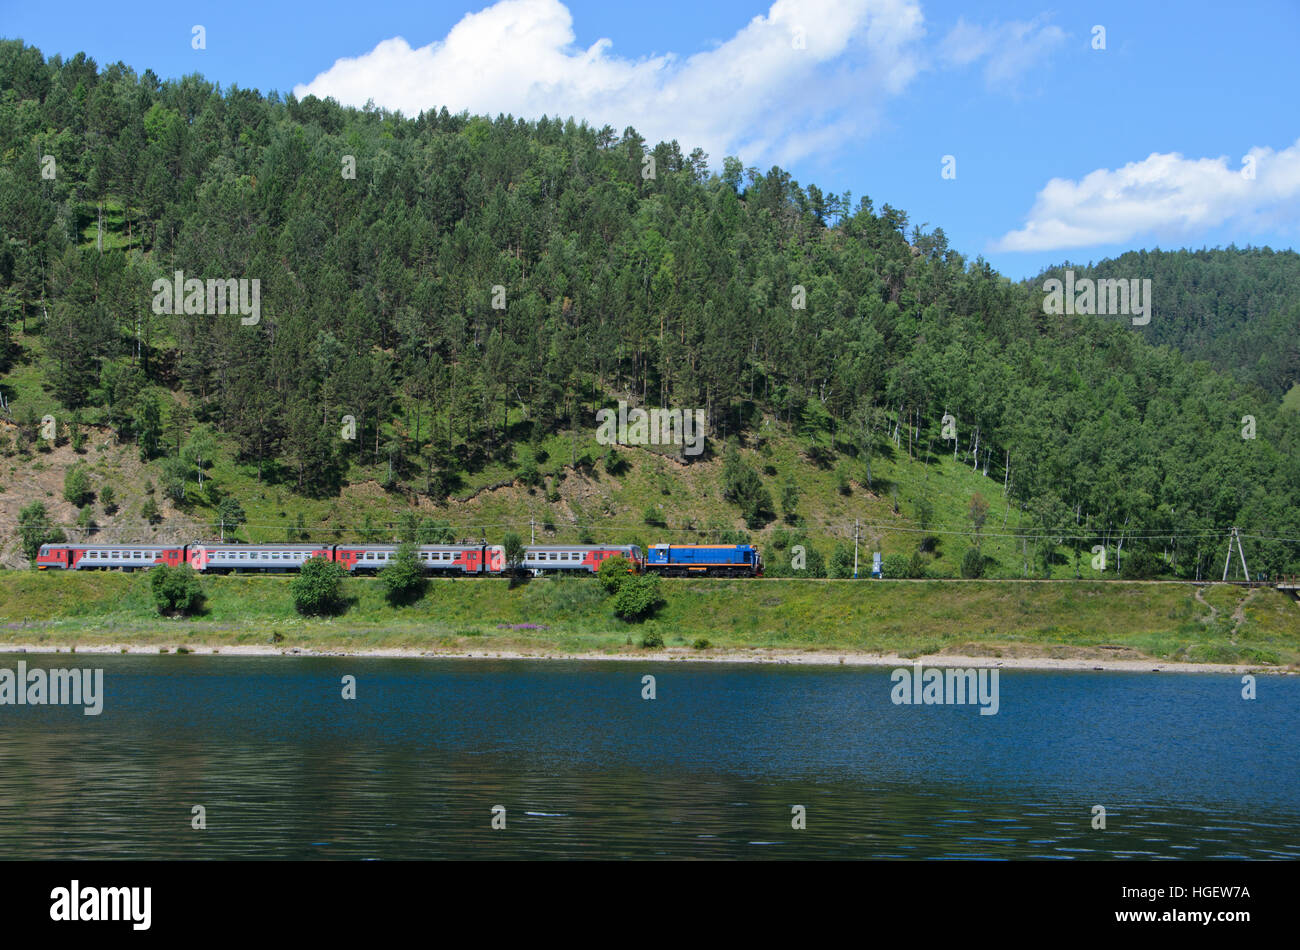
(287, 768)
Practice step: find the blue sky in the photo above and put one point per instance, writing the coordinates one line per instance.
(1145, 138)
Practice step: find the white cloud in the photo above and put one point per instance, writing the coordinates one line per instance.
(1009, 50)
(1164, 196)
(756, 95)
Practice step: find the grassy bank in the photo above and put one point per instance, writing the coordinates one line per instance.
(1224, 624)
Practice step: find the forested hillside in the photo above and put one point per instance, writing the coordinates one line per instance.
(471, 290)
(1237, 309)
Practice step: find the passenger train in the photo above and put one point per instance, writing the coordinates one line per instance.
(670, 560)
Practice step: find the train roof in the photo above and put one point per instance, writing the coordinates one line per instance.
(121, 546)
(218, 546)
(718, 545)
(577, 547)
(422, 547)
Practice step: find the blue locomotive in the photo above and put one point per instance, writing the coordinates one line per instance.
(695, 560)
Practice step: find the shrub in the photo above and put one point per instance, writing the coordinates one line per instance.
(972, 563)
(318, 588)
(895, 566)
(652, 640)
(76, 486)
(612, 573)
(615, 464)
(653, 517)
(149, 511)
(513, 547)
(741, 485)
(1139, 565)
(916, 565)
(173, 480)
(702, 643)
(529, 475)
(841, 563)
(815, 562)
(790, 501)
(230, 515)
(637, 597)
(106, 498)
(176, 590)
(35, 529)
(403, 578)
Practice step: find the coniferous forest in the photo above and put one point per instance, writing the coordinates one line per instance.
(469, 289)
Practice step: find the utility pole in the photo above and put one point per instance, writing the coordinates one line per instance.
(855, 549)
(532, 530)
(1226, 564)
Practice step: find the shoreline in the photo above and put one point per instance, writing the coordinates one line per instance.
(758, 656)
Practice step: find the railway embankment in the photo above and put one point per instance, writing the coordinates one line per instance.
(1108, 624)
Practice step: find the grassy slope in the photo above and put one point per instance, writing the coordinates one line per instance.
(1052, 619)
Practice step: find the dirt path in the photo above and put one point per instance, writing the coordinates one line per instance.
(1239, 615)
(1214, 611)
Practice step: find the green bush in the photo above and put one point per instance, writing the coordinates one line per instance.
(741, 485)
(529, 475)
(653, 517)
(318, 588)
(637, 597)
(895, 566)
(76, 486)
(176, 590)
(513, 548)
(652, 641)
(972, 563)
(615, 464)
(86, 520)
(34, 529)
(815, 565)
(612, 573)
(403, 577)
(702, 643)
(841, 563)
(1140, 565)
